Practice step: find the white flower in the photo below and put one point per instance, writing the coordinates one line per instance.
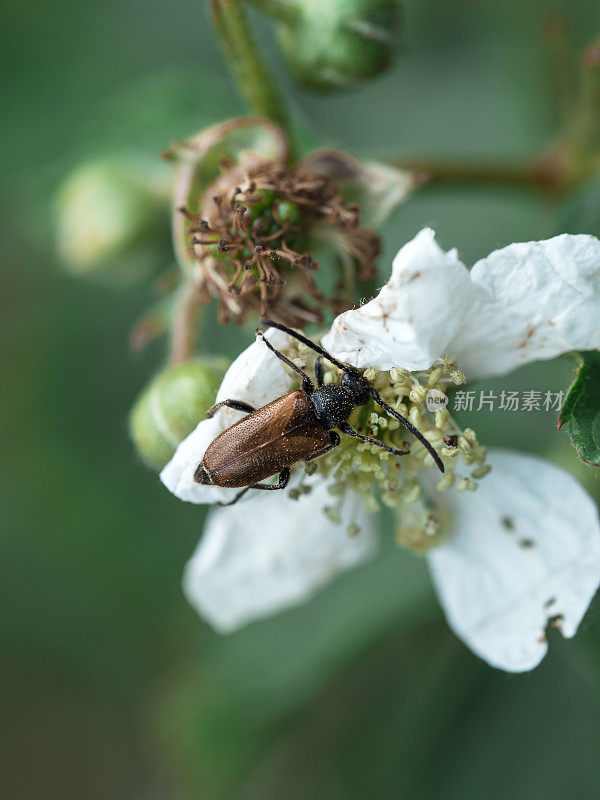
(527, 301)
(522, 551)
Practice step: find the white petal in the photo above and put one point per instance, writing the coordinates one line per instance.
(414, 316)
(270, 553)
(178, 475)
(525, 548)
(535, 300)
(257, 376)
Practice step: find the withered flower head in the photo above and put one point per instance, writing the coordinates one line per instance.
(270, 238)
(252, 240)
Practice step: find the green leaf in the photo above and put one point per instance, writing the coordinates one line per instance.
(581, 408)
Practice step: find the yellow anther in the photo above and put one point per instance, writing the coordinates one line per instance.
(446, 483)
(414, 416)
(464, 445)
(332, 514)
(450, 452)
(412, 494)
(442, 417)
(434, 376)
(418, 394)
(457, 377)
(481, 472)
(470, 434)
(449, 363)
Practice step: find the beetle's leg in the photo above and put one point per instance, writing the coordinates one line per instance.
(319, 373)
(284, 479)
(334, 439)
(307, 384)
(235, 499)
(238, 405)
(409, 427)
(349, 430)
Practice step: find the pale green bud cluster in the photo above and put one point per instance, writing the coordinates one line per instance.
(336, 44)
(111, 214)
(171, 406)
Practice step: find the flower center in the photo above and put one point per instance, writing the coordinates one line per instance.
(409, 485)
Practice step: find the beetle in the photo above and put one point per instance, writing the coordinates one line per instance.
(295, 427)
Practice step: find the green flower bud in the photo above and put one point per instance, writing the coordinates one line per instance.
(112, 217)
(336, 44)
(172, 405)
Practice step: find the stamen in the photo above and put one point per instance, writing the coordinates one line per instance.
(409, 485)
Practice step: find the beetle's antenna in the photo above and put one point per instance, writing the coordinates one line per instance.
(409, 427)
(317, 348)
(307, 384)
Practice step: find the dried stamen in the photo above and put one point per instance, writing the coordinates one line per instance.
(250, 240)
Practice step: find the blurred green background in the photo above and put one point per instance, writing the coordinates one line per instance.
(111, 686)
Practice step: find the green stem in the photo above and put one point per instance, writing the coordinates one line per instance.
(545, 174)
(246, 62)
(561, 74)
(586, 129)
(185, 324)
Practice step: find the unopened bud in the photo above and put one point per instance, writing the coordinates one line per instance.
(171, 406)
(113, 218)
(334, 45)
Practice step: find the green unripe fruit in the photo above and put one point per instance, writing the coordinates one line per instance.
(258, 209)
(289, 212)
(112, 216)
(172, 405)
(331, 45)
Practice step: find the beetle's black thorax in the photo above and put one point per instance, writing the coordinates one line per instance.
(332, 405)
(358, 386)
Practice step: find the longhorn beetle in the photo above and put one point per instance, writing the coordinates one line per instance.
(296, 427)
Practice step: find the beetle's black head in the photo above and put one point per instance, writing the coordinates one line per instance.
(358, 386)
(202, 476)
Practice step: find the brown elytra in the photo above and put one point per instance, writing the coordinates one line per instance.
(265, 442)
